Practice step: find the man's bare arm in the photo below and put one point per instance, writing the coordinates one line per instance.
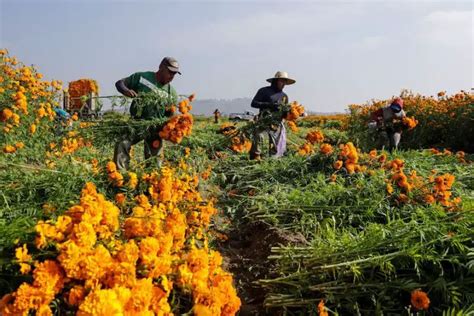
(123, 89)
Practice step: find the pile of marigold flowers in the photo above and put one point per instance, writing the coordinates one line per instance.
(81, 88)
(105, 265)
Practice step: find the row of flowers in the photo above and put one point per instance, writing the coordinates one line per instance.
(405, 188)
(104, 257)
(142, 250)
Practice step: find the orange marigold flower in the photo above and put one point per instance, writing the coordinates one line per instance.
(9, 149)
(111, 167)
(120, 198)
(337, 165)
(429, 199)
(315, 137)
(292, 126)
(6, 114)
(322, 309)
(420, 300)
(326, 149)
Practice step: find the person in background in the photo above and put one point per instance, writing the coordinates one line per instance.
(386, 122)
(147, 82)
(267, 100)
(61, 115)
(217, 114)
(63, 120)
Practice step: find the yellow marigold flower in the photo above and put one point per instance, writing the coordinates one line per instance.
(389, 188)
(292, 126)
(101, 303)
(32, 128)
(133, 181)
(350, 167)
(21, 254)
(9, 149)
(49, 274)
(6, 114)
(337, 165)
(111, 167)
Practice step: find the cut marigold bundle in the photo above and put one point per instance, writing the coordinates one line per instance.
(177, 127)
(409, 122)
(295, 112)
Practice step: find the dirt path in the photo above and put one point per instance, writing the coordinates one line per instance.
(245, 255)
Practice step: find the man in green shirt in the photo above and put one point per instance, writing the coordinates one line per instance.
(147, 83)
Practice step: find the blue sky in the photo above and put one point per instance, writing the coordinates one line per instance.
(340, 52)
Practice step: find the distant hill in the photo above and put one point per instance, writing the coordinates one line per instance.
(225, 106)
(207, 106)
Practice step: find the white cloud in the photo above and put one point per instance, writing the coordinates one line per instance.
(451, 28)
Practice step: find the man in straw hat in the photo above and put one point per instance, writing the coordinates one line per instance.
(267, 100)
(157, 83)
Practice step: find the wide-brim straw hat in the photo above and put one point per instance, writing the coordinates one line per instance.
(282, 75)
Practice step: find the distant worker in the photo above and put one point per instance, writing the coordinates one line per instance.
(217, 114)
(61, 115)
(147, 82)
(267, 100)
(386, 122)
(63, 120)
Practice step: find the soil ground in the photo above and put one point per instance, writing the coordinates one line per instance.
(246, 254)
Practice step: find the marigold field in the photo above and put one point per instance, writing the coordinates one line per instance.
(335, 227)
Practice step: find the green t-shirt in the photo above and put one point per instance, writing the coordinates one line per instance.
(145, 83)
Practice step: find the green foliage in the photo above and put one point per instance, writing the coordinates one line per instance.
(362, 253)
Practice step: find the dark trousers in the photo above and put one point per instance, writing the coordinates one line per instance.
(151, 153)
